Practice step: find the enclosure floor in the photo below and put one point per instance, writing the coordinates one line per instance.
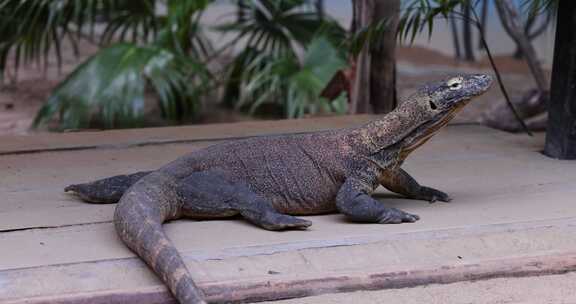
(549, 289)
(513, 214)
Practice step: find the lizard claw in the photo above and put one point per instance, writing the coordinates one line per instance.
(284, 222)
(432, 195)
(396, 216)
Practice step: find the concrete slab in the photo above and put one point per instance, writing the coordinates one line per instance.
(83, 140)
(551, 289)
(501, 185)
(306, 268)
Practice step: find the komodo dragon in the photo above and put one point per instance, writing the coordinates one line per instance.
(268, 179)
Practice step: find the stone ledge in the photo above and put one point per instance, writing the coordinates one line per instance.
(125, 138)
(272, 272)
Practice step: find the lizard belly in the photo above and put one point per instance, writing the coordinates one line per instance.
(296, 180)
(301, 196)
(302, 202)
(305, 189)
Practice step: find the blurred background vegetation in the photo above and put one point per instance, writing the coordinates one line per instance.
(277, 58)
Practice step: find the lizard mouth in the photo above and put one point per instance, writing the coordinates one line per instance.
(424, 132)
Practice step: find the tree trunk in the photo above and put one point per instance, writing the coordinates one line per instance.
(383, 70)
(532, 33)
(240, 5)
(374, 87)
(360, 101)
(320, 8)
(511, 22)
(561, 135)
(455, 37)
(483, 21)
(467, 32)
(518, 53)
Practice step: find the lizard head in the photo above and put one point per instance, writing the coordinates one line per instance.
(435, 104)
(421, 115)
(452, 93)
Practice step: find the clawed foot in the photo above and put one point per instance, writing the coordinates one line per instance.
(283, 222)
(81, 190)
(95, 193)
(432, 195)
(396, 216)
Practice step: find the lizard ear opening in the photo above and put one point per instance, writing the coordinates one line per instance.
(433, 106)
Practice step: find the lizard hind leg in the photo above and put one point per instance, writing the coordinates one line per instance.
(213, 194)
(105, 191)
(138, 220)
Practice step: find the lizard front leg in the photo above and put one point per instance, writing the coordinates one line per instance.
(354, 201)
(399, 181)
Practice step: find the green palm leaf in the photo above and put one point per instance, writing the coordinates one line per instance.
(275, 32)
(35, 30)
(274, 26)
(295, 85)
(110, 87)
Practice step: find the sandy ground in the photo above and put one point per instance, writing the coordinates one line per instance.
(554, 289)
(21, 99)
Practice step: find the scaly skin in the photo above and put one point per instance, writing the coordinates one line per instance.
(268, 179)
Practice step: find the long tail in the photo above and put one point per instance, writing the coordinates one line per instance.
(138, 220)
(106, 191)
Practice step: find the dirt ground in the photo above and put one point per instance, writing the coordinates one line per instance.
(25, 92)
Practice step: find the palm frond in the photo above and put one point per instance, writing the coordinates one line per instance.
(35, 30)
(536, 7)
(419, 15)
(182, 31)
(277, 27)
(275, 33)
(130, 20)
(110, 87)
(292, 84)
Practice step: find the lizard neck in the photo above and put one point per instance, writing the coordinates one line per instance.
(387, 132)
(404, 129)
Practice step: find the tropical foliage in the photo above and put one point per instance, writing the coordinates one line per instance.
(420, 15)
(142, 50)
(161, 47)
(113, 83)
(157, 50)
(292, 83)
(282, 61)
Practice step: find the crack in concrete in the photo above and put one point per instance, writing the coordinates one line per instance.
(34, 228)
(166, 142)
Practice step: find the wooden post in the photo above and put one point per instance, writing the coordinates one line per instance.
(467, 31)
(383, 65)
(374, 86)
(360, 99)
(561, 132)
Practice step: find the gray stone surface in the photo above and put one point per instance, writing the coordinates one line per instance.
(510, 202)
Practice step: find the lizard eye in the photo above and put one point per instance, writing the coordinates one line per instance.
(455, 83)
(433, 106)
